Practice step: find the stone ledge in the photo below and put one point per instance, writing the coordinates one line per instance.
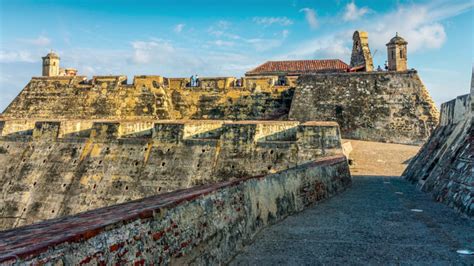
(42, 242)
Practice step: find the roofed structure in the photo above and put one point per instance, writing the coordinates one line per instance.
(298, 67)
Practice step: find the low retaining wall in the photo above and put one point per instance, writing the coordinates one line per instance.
(203, 225)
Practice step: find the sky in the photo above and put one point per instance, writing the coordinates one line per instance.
(227, 38)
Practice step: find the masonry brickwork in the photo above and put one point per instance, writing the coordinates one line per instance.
(56, 168)
(378, 106)
(70, 144)
(154, 97)
(445, 165)
(361, 56)
(204, 225)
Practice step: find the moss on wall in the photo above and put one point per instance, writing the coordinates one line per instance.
(377, 106)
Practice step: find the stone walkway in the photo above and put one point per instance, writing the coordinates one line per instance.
(374, 222)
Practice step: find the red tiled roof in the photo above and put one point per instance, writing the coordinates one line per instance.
(300, 67)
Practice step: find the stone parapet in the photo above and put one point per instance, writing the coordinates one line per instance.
(444, 166)
(200, 225)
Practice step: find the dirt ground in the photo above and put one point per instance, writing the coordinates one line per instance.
(381, 159)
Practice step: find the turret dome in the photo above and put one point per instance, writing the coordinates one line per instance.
(397, 40)
(52, 55)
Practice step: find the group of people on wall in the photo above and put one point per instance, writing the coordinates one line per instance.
(194, 81)
(385, 67)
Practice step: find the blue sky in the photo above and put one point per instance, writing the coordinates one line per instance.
(227, 38)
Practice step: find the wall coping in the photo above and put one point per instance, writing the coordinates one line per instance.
(30, 240)
(411, 71)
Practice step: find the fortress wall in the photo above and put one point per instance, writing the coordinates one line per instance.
(18, 128)
(444, 166)
(200, 225)
(456, 110)
(233, 103)
(378, 106)
(49, 174)
(150, 97)
(48, 131)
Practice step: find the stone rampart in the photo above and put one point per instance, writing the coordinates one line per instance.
(56, 168)
(201, 225)
(378, 106)
(445, 164)
(151, 97)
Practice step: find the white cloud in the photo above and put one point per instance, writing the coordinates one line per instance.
(261, 44)
(285, 33)
(268, 21)
(352, 12)
(17, 56)
(40, 41)
(145, 52)
(329, 47)
(419, 24)
(310, 15)
(221, 30)
(222, 43)
(179, 27)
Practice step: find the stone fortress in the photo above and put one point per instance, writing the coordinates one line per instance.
(191, 167)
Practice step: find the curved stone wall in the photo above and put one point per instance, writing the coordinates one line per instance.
(384, 106)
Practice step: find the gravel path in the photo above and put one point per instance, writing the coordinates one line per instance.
(371, 223)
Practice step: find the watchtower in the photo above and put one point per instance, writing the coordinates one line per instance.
(361, 57)
(397, 54)
(51, 65)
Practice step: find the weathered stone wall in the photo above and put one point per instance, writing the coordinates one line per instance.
(203, 225)
(378, 106)
(361, 56)
(154, 97)
(445, 164)
(55, 168)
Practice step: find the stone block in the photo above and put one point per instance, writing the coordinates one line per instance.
(105, 131)
(46, 130)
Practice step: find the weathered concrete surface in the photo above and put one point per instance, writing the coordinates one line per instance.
(202, 225)
(376, 106)
(371, 223)
(445, 164)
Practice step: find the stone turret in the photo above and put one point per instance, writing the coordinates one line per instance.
(361, 59)
(51, 65)
(397, 54)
